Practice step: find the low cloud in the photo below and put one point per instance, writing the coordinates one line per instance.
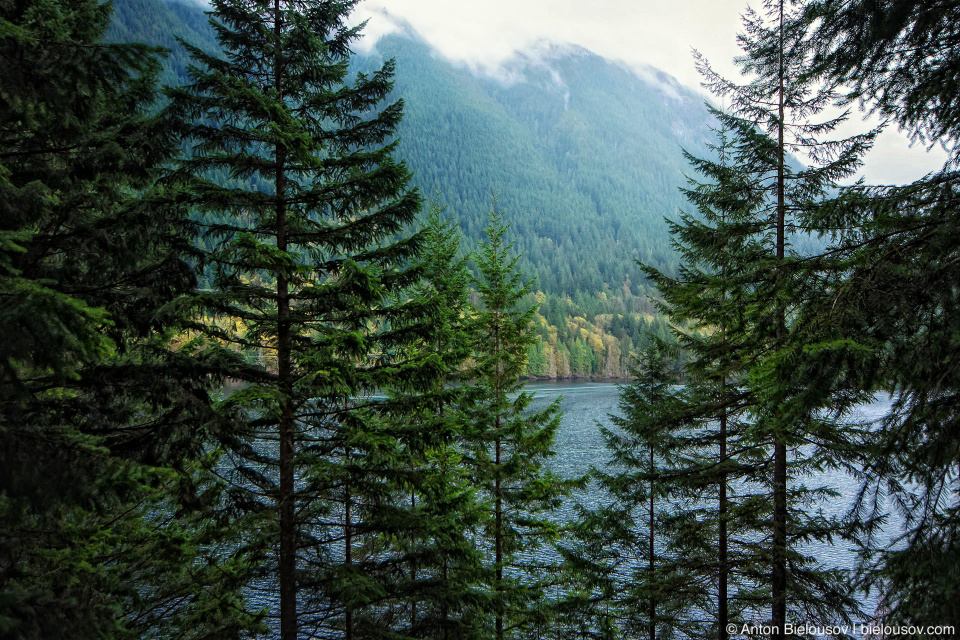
(650, 38)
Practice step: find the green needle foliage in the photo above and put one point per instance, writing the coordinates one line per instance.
(633, 580)
(789, 425)
(886, 316)
(102, 494)
(899, 58)
(425, 533)
(309, 283)
(889, 304)
(719, 525)
(508, 447)
(377, 471)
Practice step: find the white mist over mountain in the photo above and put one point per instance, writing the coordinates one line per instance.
(659, 33)
(649, 37)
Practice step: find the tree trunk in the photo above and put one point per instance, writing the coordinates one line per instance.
(347, 547)
(653, 602)
(723, 614)
(288, 552)
(446, 608)
(498, 537)
(779, 572)
(413, 569)
(498, 486)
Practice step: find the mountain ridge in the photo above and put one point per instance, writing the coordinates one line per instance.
(578, 150)
(583, 153)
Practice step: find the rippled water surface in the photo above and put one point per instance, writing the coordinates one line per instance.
(579, 443)
(587, 405)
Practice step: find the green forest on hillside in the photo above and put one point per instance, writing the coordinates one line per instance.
(584, 156)
(256, 383)
(586, 181)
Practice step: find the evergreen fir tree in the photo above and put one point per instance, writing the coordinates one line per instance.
(885, 322)
(887, 310)
(630, 582)
(509, 447)
(896, 57)
(435, 511)
(309, 284)
(724, 511)
(103, 523)
(772, 117)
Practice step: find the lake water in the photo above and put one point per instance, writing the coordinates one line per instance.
(580, 445)
(585, 404)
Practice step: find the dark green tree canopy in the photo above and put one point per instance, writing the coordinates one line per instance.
(304, 210)
(889, 296)
(99, 446)
(509, 446)
(899, 57)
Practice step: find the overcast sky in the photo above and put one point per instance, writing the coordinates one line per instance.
(661, 33)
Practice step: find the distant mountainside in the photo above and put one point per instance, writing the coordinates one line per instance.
(584, 154)
(160, 23)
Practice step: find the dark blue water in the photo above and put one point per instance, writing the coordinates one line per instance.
(587, 405)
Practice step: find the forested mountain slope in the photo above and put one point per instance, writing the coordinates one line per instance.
(160, 23)
(583, 154)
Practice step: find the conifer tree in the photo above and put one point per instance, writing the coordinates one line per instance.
(509, 446)
(896, 57)
(309, 280)
(723, 511)
(629, 581)
(435, 511)
(887, 309)
(880, 322)
(101, 494)
(772, 117)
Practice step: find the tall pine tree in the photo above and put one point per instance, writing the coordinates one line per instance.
(723, 515)
(888, 307)
(633, 578)
(309, 278)
(794, 420)
(509, 446)
(426, 532)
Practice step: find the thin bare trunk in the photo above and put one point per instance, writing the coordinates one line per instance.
(498, 537)
(779, 572)
(347, 545)
(498, 488)
(446, 608)
(723, 612)
(413, 569)
(653, 601)
(288, 552)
